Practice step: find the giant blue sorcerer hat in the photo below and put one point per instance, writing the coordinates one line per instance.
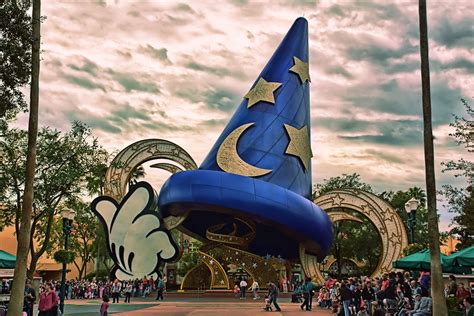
(255, 183)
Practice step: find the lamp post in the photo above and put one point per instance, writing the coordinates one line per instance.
(410, 207)
(68, 217)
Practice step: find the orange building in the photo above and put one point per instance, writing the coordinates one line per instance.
(46, 268)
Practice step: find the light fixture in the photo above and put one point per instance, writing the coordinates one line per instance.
(411, 205)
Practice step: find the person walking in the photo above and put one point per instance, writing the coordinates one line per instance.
(30, 298)
(307, 289)
(273, 294)
(48, 303)
(128, 292)
(346, 298)
(104, 307)
(243, 288)
(160, 287)
(254, 288)
(116, 287)
(368, 296)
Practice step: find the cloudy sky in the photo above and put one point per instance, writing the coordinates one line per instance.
(177, 70)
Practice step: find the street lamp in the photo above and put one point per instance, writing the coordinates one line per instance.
(410, 207)
(68, 217)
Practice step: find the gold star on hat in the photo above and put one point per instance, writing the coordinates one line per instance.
(299, 145)
(301, 69)
(263, 91)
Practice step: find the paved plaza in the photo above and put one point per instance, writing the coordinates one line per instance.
(185, 305)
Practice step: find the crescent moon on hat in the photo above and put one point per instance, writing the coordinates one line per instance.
(229, 160)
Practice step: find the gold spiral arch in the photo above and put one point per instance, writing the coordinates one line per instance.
(120, 170)
(383, 216)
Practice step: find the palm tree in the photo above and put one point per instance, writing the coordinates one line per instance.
(418, 193)
(23, 247)
(439, 301)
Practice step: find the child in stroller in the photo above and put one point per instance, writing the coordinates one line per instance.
(268, 306)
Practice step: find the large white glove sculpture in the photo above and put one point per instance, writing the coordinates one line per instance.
(137, 240)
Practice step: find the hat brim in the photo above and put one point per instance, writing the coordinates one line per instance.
(284, 220)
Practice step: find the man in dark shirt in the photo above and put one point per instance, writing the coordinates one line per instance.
(273, 294)
(346, 298)
(29, 300)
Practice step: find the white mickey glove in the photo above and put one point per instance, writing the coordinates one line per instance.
(137, 240)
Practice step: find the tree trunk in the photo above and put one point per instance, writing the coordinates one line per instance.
(16, 303)
(31, 270)
(36, 255)
(437, 293)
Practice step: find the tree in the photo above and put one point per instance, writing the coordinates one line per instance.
(190, 259)
(345, 181)
(83, 234)
(364, 244)
(460, 200)
(398, 200)
(15, 58)
(24, 233)
(437, 286)
(65, 162)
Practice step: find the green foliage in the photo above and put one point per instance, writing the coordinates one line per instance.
(359, 241)
(460, 201)
(65, 161)
(83, 234)
(364, 243)
(398, 201)
(189, 259)
(100, 275)
(64, 256)
(346, 181)
(413, 248)
(15, 57)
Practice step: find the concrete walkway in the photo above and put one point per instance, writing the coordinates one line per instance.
(231, 308)
(185, 305)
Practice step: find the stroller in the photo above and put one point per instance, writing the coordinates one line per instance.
(268, 306)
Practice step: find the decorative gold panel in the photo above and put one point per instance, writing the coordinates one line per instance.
(229, 160)
(386, 220)
(121, 168)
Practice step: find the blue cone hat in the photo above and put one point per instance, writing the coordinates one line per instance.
(254, 187)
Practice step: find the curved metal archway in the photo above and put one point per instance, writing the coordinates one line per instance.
(132, 156)
(382, 215)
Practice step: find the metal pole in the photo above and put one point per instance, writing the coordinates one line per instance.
(63, 273)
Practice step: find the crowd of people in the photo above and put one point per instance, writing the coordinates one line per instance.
(48, 298)
(394, 293)
(397, 293)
